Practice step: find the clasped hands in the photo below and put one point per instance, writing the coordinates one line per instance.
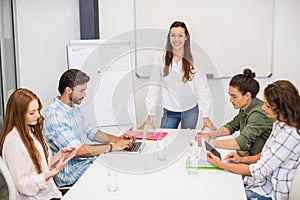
(62, 157)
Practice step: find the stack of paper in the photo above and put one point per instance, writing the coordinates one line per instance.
(152, 135)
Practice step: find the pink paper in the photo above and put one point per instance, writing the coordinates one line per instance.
(152, 135)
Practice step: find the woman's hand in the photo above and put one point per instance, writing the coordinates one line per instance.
(214, 160)
(59, 160)
(66, 151)
(233, 157)
(208, 124)
(60, 155)
(150, 120)
(64, 160)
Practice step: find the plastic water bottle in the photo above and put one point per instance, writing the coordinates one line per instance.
(202, 152)
(146, 130)
(192, 159)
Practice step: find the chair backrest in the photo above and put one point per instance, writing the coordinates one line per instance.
(13, 193)
(295, 191)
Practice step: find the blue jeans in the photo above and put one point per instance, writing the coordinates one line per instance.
(187, 118)
(253, 195)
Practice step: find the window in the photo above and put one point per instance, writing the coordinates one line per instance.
(8, 82)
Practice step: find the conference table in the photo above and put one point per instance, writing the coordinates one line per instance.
(143, 176)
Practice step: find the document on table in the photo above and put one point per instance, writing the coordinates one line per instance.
(151, 135)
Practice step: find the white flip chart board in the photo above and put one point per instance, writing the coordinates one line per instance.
(110, 94)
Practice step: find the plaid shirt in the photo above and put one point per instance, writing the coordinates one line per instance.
(273, 173)
(66, 126)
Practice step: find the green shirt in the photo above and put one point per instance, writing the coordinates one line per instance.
(255, 127)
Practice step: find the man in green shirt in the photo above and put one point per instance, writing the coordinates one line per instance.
(254, 126)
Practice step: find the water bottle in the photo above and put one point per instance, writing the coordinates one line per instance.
(192, 159)
(146, 130)
(202, 151)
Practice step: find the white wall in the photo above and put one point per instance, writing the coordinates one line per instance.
(43, 29)
(286, 49)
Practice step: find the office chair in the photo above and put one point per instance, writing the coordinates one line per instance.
(12, 190)
(295, 192)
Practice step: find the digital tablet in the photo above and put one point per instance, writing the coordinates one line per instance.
(212, 149)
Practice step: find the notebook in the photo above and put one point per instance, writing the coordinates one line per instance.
(137, 147)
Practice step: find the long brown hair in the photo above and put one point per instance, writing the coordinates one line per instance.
(16, 109)
(284, 98)
(187, 60)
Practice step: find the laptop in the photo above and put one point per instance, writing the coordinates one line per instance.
(137, 147)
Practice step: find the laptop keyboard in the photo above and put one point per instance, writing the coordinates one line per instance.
(135, 147)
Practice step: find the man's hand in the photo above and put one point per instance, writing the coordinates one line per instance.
(126, 136)
(211, 136)
(122, 144)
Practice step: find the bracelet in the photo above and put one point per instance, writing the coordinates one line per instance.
(110, 148)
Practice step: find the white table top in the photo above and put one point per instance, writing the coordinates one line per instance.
(168, 182)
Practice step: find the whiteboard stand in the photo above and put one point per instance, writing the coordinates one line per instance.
(110, 95)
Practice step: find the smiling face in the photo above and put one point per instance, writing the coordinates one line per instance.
(177, 38)
(32, 115)
(238, 100)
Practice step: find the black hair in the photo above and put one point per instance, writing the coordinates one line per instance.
(245, 83)
(71, 78)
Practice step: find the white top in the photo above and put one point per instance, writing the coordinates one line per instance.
(29, 184)
(178, 96)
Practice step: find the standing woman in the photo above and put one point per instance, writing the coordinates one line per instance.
(184, 89)
(269, 174)
(24, 151)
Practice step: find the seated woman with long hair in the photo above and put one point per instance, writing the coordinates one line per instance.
(25, 151)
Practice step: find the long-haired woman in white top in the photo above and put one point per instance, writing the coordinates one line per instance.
(184, 89)
(25, 151)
